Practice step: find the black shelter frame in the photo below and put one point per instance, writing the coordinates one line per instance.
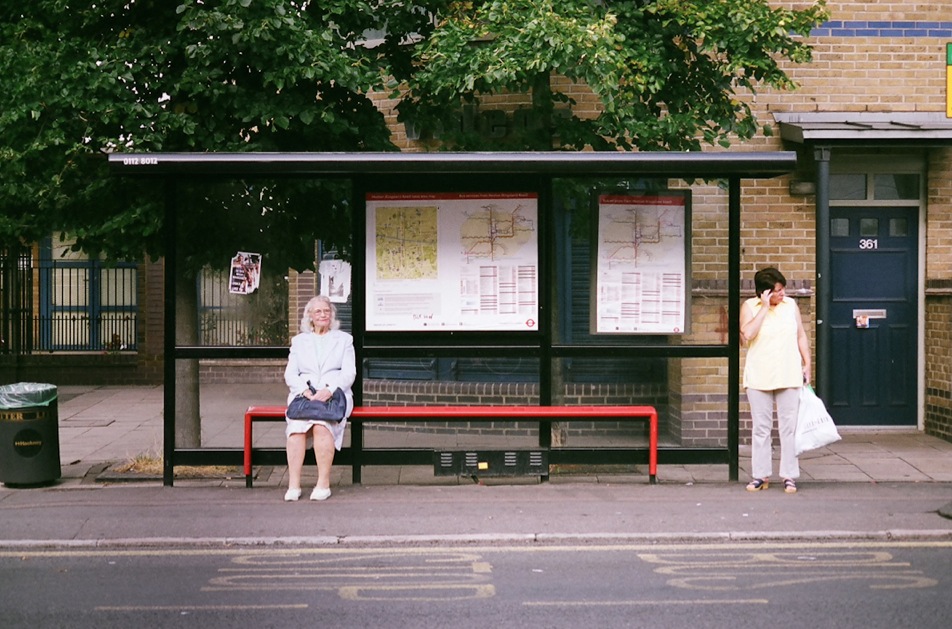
(535, 171)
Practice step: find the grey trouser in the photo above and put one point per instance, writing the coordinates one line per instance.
(761, 413)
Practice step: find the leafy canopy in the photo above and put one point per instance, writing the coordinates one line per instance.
(668, 74)
(84, 79)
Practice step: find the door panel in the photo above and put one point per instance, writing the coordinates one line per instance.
(902, 373)
(874, 275)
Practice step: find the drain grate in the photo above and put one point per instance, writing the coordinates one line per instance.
(491, 463)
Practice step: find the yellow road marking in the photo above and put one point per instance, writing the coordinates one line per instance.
(193, 608)
(703, 601)
(414, 592)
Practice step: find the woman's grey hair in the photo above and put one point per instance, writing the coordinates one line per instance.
(306, 325)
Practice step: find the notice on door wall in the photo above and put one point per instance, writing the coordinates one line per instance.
(452, 261)
(642, 264)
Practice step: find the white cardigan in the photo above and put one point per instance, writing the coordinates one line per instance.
(332, 366)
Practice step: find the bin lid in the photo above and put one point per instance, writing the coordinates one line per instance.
(26, 394)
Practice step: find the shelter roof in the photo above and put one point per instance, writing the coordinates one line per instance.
(558, 163)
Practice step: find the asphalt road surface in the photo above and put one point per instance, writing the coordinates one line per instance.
(868, 585)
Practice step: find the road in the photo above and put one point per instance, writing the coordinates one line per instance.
(868, 585)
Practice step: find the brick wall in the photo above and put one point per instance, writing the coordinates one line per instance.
(938, 404)
(939, 217)
(301, 288)
(77, 369)
(878, 57)
(871, 56)
(151, 322)
(938, 327)
(241, 371)
(413, 393)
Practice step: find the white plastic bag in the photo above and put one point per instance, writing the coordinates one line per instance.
(815, 427)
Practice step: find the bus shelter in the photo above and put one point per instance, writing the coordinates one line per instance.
(650, 224)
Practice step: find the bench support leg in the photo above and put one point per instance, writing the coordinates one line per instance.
(653, 448)
(356, 447)
(248, 430)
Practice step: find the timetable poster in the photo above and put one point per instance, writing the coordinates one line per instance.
(452, 261)
(641, 265)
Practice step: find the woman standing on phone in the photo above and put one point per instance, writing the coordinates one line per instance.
(778, 364)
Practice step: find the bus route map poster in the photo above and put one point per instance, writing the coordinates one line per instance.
(642, 263)
(452, 261)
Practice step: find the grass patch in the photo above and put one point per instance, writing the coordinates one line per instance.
(150, 464)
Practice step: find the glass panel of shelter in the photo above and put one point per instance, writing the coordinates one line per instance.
(610, 377)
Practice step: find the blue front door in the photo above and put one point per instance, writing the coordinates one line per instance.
(873, 316)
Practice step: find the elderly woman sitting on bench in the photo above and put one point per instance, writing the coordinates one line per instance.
(323, 356)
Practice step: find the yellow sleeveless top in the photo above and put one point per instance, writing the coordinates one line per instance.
(773, 356)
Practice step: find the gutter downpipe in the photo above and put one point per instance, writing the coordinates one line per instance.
(823, 273)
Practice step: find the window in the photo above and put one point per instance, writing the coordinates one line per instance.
(848, 187)
(840, 227)
(896, 187)
(898, 227)
(868, 227)
(85, 304)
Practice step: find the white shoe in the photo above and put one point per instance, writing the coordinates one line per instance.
(291, 495)
(320, 494)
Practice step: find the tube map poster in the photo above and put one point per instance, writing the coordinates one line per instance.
(642, 264)
(452, 261)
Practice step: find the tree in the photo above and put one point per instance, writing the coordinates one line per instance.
(668, 74)
(84, 79)
(147, 75)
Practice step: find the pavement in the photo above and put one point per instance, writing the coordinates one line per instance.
(873, 485)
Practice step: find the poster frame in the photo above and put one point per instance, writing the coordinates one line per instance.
(596, 257)
(477, 187)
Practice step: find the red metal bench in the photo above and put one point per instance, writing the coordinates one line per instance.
(381, 414)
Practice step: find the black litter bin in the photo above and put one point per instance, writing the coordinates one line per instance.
(29, 434)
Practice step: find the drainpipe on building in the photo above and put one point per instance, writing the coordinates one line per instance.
(821, 155)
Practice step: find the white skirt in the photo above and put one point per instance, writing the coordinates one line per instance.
(297, 426)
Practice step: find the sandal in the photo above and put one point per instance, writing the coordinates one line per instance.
(757, 484)
(789, 486)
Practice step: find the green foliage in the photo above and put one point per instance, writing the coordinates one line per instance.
(282, 218)
(668, 73)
